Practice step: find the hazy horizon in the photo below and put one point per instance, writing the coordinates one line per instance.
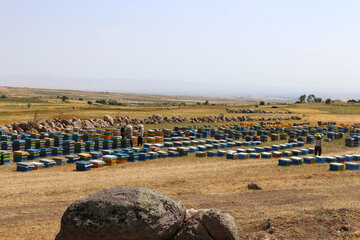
(203, 48)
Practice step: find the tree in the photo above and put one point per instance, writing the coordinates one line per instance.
(206, 102)
(80, 99)
(29, 105)
(262, 103)
(89, 102)
(302, 98)
(318, 100)
(3, 96)
(328, 101)
(352, 101)
(198, 103)
(64, 98)
(311, 98)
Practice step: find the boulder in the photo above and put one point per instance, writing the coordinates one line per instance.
(122, 214)
(220, 225)
(208, 224)
(109, 119)
(193, 229)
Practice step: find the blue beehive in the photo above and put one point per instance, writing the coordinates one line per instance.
(304, 151)
(275, 147)
(349, 158)
(254, 155)
(211, 154)
(259, 149)
(96, 155)
(83, 166)
(337, 166)
(330, 159)
(221, 153)
(173, 154)
(48, 162)
(250, 150)
(287, 154)
(144, 156)
(320, 159)
(153, 155)
(284, 162)
(243, 155)
(72, 158)
(192, 149)
(241, 150)
(24, 167)
(340, 158)
(231, 155)
(266, 155)
(309, 160)
(201, 148)
(296, 161)
(311, 150)
(352, 166)
(296, 152)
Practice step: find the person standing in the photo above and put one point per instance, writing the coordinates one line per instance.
(122, 130)
(129, 133)
(318, 144)
(141, 135)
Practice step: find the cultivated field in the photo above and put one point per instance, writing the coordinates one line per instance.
(302, 202)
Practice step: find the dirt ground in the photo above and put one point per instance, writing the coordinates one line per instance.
(298, 202)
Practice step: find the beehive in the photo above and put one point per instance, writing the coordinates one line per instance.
(48, 162)
(243, 155)
(121, 157)
(284, 162)
(352, 166)
(97, 163)
(266, 155)
(37, 165)
(200, 154)
(337, 167)
(24, 167)
(254, 155)
(309, 160)
(21, 156)
(96, 155)
(296, 161)
(320, 159)
(72, 158)
(277, 154)
(60, 161)
(83, 166)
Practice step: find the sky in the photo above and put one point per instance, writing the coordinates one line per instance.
(188, 47)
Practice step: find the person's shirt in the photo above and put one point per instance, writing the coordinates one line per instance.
(141, 132)
(318, 142)
(128, 132)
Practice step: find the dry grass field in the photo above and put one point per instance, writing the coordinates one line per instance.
(299, 202)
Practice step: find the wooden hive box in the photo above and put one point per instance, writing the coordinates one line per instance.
(266, 155)
(200, 154)
(352, 166)
(243, 155)
(60, 161)
(83, 166)
(309, 160)
(296, 160)
(48, 162)
(337, 166)
(24, 167)
(254, 155)
(37, 165)
(97, 163)
(284, 162)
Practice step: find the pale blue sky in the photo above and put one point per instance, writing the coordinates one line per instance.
(238, 48)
